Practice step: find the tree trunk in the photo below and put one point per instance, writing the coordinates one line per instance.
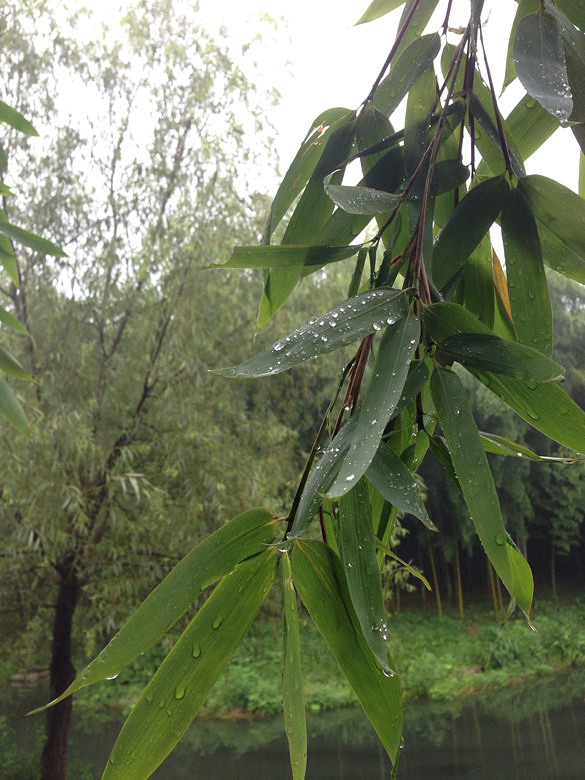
(62, 673)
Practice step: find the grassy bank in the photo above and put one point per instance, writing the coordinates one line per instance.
(438, 659)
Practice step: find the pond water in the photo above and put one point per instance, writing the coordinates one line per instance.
(535, 730)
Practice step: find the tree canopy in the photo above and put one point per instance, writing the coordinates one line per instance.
(411, 209)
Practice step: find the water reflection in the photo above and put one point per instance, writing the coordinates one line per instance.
(531, 731)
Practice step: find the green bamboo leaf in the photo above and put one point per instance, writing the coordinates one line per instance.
(494, 154)
(544, 406)
(349, 321)
(12, 367)
(574, 10)
(447, 175)
(292, 674)
(175, 694)
(310, 215)
(10, 321)
(562, 213)
(361, 200)
(321, 479)
(477, 285)
(406, 71)
(410, 569)
(244, 536)
(8, 258)
(473, 473)
(540, 63)
(527, 284)
(468, 224)
(31, 240)
(501, 446)
(320, 581)
(303, 166)
(445, 319)
(394, 480)
(523, 579)
(418, 21)
(525, 7)
(382, 395)
(379, 8)
(357, 548)
(10, 116)
(492, 353)
(530, 125)
(11, 409)
(281, 256)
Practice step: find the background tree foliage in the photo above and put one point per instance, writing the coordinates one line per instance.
(430, 304)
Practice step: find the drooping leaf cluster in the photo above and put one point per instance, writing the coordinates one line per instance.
(435, 300)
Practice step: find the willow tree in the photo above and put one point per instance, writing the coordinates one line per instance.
(428, 298)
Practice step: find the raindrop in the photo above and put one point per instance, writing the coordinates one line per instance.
(278, 346)
(112, 676)
(350, 477)
(196, 651)
(180, 692)
(217, 622)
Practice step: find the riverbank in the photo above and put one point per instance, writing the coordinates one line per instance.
(439, 659)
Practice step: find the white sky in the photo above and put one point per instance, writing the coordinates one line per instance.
(317, 58)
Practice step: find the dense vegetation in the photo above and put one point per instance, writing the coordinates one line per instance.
(134, 453)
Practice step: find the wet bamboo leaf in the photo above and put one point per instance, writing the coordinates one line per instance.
(562, 212)
(179, 687)
(10, 116)
(473, 473)
(361, 200)
(447, 176)
(478, 283)
(394, 480)
(540, 63)
(495, 159)
(405, 71)
(30, 240)
(321, 479)
(303, 166)
(320, 581)
(530, 125)
(527, 284)
(357, 548)
(468, 224)
(525, 7)
(501, 446)
(418, 374)
(349, 321)
(244, 536)
(544, 406)
(491, 353)
(8, 258)
(310, 215)
(281, 256)
(293, 700)
(523, 579)
(379, 8)
(384, 391)
(419, 20)
(574, 10)
(11, 409)
(446, 319)
(558, 256)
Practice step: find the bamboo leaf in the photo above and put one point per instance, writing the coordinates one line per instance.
(379, 8)
(281, 256)
(11, 409)
(31, 240)
(501, 446)
(405, 71)
(574, 10)
(310, 215)
(350, 321)
(10, 321)
(394, 480)
(468, 224)
(525, 7)
(473, 473)
(382, 395)
(12, 367)
(320, 582)
(357, 548)
(530, 125)
(10, 116)
(418, 21)
(292, 674)
(491, 353)
(540, 63)
(303, 166)
(544, 406)
(527, 284)
(183, 681)
(244, 536)
(361, 200)
(562, 213)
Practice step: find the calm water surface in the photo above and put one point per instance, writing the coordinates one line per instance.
(534, 731)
